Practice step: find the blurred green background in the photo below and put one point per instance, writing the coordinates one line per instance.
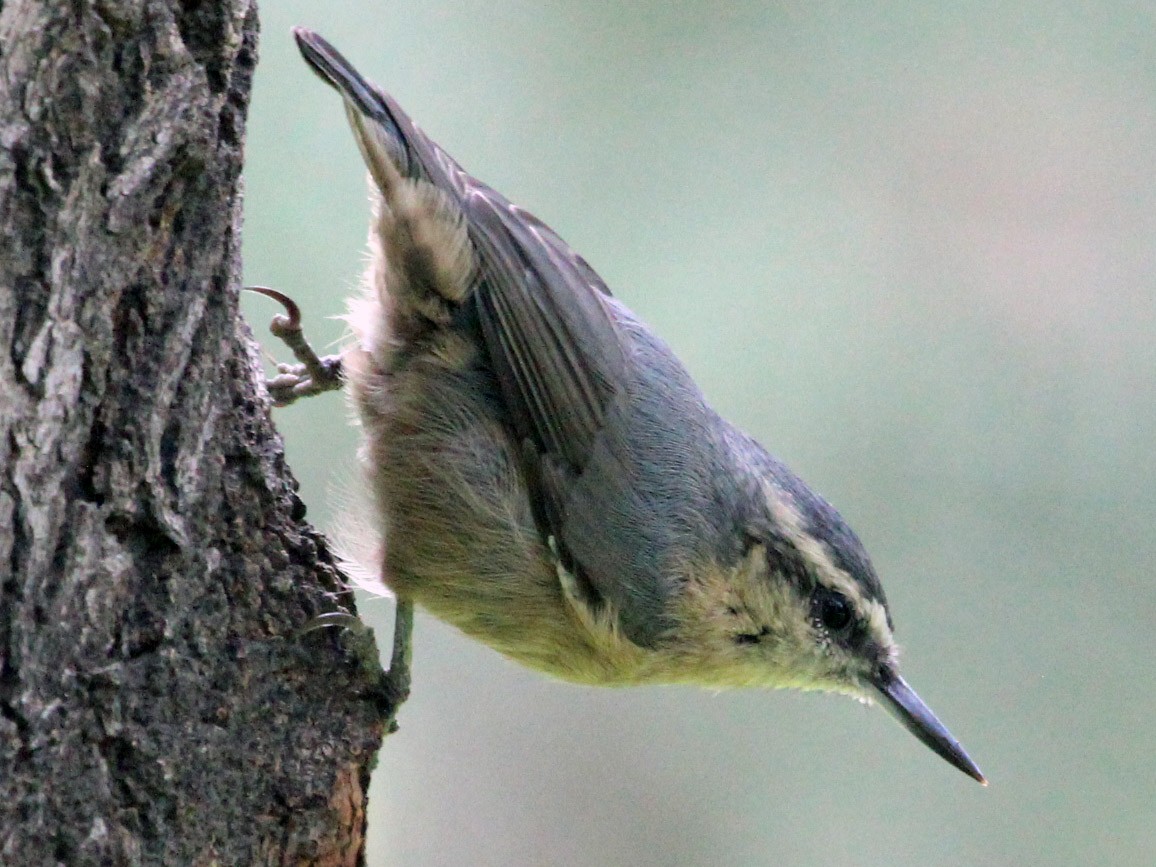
(912, 248)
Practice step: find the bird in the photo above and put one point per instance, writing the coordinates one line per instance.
(547, 477)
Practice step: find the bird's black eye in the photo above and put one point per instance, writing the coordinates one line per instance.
(833, 610)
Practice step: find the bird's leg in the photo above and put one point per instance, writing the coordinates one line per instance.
(313, 375)
(316, 375)
(395, 682)
(397, 679)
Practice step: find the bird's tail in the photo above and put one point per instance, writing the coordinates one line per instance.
(382, 129)
(422, 263)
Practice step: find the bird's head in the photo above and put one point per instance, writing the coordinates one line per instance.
(803, 608)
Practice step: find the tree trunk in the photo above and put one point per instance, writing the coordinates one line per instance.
(157, 704)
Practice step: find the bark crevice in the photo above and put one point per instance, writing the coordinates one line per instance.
(157, 705)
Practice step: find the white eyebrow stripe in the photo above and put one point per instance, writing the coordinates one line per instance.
(790, 522)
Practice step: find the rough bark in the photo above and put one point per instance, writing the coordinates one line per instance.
(156, 703)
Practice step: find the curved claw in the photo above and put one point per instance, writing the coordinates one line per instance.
(341, 619)
(313, 375)
(281, 324)
(394, 683)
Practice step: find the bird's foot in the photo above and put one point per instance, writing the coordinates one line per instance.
(313, 375)
(393, 684)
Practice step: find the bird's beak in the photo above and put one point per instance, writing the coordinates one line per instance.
(903, 704)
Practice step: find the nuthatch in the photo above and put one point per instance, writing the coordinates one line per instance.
(548, 477)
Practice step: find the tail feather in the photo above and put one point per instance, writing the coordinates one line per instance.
(383, 124)
(422, 264)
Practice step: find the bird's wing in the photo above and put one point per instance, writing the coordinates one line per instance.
(553, 345)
